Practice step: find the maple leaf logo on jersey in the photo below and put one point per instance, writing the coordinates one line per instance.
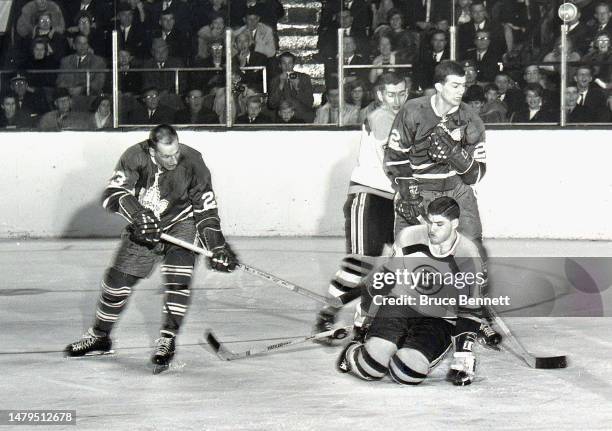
(151, 198)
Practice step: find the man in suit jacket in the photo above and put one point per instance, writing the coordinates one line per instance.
(513, 98)
(10, 117)
(294, 86)
(431, 57)
(82, 59)
(351, 58)
(590, 96)
(253, 114)
(179, 8)
(178, 42)
(360, 12)
(248, 57)
(132, 35)
(164, 81)
(328, 40)
(485, 57)
(152, 112)
(100, 10)
(480, 21)
(196, 112)
(260, 32)
(63, 117)
(602, 21)
(28, 99)
(576, 113)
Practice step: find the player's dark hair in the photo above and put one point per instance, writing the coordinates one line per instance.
(162, 132)
(446, 68)
(444, 206)
(388, 78)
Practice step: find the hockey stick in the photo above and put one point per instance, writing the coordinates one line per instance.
(334, 302)
(541, 362)
(227, 355)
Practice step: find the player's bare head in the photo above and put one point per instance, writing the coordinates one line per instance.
(449, 78)
(392, 91)
(443, 219)
(164, 146)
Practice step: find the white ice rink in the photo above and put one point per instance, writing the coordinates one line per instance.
(47, 300)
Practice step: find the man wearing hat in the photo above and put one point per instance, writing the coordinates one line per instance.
(10, 117)
(260, 33)
(28, 99)
(63, 117)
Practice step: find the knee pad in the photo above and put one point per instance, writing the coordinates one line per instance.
(370, 361)
(408, 367)
(177, 268)
(117, 285)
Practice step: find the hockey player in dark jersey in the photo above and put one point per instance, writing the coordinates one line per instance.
(159, 185)
(407, 339)
(368, 211)
(436, 146)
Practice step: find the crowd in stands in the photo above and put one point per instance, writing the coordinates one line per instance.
(510, 50)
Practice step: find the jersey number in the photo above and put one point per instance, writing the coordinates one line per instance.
(209, 201)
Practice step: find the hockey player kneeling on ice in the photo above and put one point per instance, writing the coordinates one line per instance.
(416, 314)
(159, 185)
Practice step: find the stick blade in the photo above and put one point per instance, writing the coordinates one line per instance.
(217, 347)
(552, 362)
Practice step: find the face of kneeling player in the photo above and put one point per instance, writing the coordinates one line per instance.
(441, 229)
(166, 154)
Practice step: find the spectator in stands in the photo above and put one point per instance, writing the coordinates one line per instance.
(40, 60)
(380, 13)
(589, 95)
(579, 33)
(386, 55)
(177, 41)
(208, 35)
(82, 59)
(351, 58)
(462, 11)
(100, 11)
(57, 45)
(294, 86)
(151, 111)
(10, 117)
(196, 112)
(131, 33)
(533, 75)
(406, 41)
(270, 11)
(130, 83)
(97, 38)
(508, 93)
(102, 113)
(240, 94)
(480, 22)
(29, 13)
(471, 74)
(361, 13)
(246, 56)
(329, 112)
(485, 58)
(163, 81)
(204, 11)
(475, 97)
(328, 40)
(554, 56)
(431, 56)
(63, 117)
(355, 100)
(138, 10)
(29, 99)
(492, 102)
(519, 18)
(216, 59)
(253, 113)
(600, 59)
(602, 21)
(536, 111)
(286, 113)
(575, 113)
(260, 32)
(180, 11)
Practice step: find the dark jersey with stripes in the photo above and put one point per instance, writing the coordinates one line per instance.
(172, 195)
(406, 150)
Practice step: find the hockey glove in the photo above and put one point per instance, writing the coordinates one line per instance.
(223, 259)
(443, 148)
(145, 229)
(409, 202)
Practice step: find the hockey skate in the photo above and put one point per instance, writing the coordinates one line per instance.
(163, 354)
(89, 345)
(488, 336)
(342, 364)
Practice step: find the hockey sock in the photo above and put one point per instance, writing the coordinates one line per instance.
(408, 367)
(116, 289)
(352, 269)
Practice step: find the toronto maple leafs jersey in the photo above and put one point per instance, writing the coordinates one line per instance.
(406, 151)
(173, 196)
(369, 175)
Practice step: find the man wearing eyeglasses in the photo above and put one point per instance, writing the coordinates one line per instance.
(480, 22)
(485, 57)
(151, 111)
(196, 112)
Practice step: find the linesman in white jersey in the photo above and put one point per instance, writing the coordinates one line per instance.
(368, 211)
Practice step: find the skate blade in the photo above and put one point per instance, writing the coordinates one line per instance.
(91, 354)
(158, 369)
(486, 345)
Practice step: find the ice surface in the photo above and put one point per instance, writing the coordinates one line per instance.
(47, 300)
